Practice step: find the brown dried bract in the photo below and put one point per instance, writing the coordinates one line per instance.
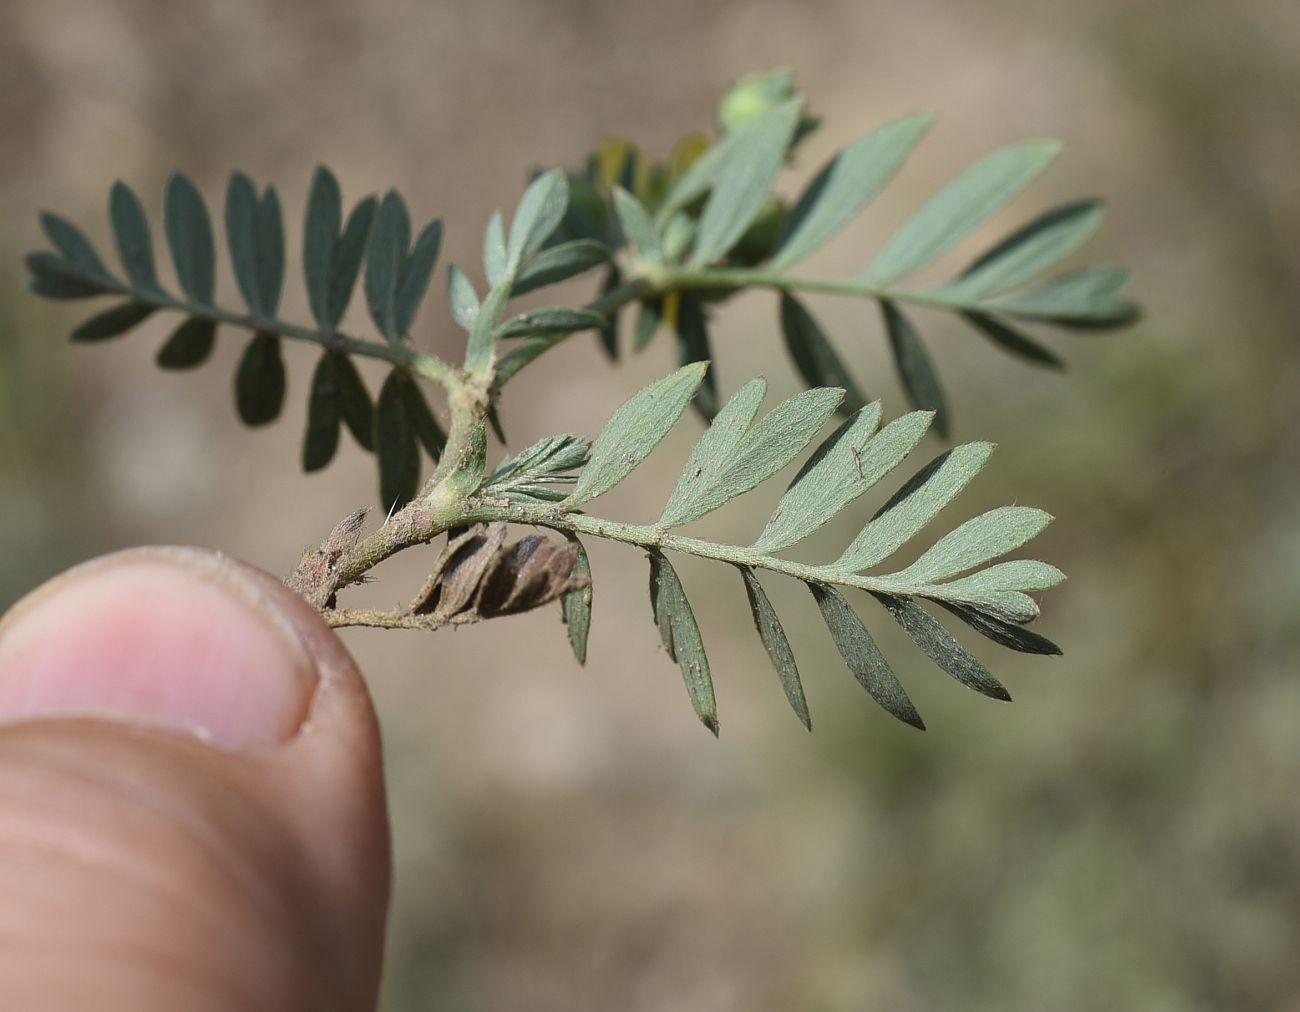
(479, 576)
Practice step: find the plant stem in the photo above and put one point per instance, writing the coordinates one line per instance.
(647, 536)
(429, 367)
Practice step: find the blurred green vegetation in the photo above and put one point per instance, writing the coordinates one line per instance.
(1125, 836)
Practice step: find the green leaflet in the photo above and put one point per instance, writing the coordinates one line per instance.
(242, 239)
(648, 314)
(681, 637)
(778, 647)
(131, 235)
(270, 251)
(976, 541)
(845, 186)
(915, 368)
(731, 458)
(190, 344)
(608, 334)
(321, 224)
(461, 297)
(324, 412)
(1011, 606)
(397, 275)
(385, 258)
(914, 506)
(540, 211)
(481, 345)
(756, 152)
(1014, 341)
(1019, 574)
(843, 468)
(54, 277)
(638, 229)
(1003, 633)
(1086, 297)
(345, 261)
(112, 322)
(575, 606)
(189, 235)
(939, 645)
(692, 345)
(260, 381)
(68, 240)
(395, 444)
(958, 208)
(552, 320)
(416, 272)
(862, 655)
(426, 428)
(814, 356)
(355, 406)
(559, 263)
(494, 251)
(1028, 252)
(636, 428)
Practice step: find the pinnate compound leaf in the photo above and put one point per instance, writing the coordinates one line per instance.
(1088, 297)
(778, 647)
(939, 645)
(1014, 341)
(559, 263)
(850, 462)
(462, 297)
(814, 356)
(845, 186)
(190, 344)
(1005, 633)
(189, 235)
(113, 322)
(131, 235)
(957, 209)
(575, 606)
(915, 367)
(635, 429)
(756, 154)
(739, 458)
(69, 240)
(321, 225)
(638, 229)
(324, 412)
(681, 637)
(540, 211)
(1029, 251)
(395, 444)
(260, 380)
(914, 506)
(975, 542)
(862, 655)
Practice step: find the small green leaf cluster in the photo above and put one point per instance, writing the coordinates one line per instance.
(708, 224)
(737, 453)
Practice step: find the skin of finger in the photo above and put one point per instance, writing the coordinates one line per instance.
(147, 869)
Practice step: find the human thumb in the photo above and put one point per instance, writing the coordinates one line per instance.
(191, 796)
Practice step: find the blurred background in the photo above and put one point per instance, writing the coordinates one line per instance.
(1125, 836)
